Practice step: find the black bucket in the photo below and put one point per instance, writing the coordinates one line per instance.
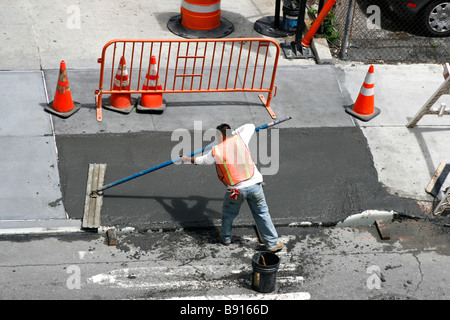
(290, 16)
(265, 267)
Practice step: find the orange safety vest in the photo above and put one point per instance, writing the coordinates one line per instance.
(234, 163)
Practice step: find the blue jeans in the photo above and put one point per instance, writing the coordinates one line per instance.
(257, 203)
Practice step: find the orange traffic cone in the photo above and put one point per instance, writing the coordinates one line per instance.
(151, 101)
(364, 107)
(63, 105)
(121, 102)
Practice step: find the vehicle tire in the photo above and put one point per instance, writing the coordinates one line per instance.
(436, 17)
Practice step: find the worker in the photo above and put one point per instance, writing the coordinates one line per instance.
(238, 172)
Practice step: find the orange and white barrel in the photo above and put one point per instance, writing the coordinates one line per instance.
(200, 14)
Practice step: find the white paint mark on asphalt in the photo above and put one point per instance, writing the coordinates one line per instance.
(185, 277)
(81, 254)
(259, 296)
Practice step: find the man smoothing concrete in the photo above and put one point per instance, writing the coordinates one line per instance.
(238, 172)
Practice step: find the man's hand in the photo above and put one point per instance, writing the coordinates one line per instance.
(185, 159)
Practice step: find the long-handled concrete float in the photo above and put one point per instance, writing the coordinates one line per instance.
(96, 175)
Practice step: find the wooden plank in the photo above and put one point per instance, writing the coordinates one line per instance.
(381, 228)
(99, 202)
(87, 203)
(438, 179)
(93, 204)
(444, 204)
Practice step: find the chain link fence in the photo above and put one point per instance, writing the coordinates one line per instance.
(388, 31)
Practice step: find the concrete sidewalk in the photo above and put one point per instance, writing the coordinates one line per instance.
(405, 159)
(39, 35)
(30, 194)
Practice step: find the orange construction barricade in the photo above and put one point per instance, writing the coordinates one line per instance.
(63, 105)
(189, 66)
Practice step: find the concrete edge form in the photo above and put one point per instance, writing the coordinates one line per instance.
(32, 227)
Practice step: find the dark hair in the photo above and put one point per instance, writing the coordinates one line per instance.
(224, 128)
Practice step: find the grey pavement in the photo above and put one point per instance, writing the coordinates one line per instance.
(331, 166)
(30, 188)
(316, 264)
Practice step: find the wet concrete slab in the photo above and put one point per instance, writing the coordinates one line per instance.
(325, 170)
(324, 175)
(325, 167)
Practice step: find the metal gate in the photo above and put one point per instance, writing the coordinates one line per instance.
(193, 66)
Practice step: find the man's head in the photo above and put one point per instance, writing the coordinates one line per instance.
(224, 131)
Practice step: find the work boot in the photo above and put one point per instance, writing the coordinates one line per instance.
(277, 248)
(221, 240)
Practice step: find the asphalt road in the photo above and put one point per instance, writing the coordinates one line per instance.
(316, 263)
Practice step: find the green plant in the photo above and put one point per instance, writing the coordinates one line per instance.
(329, 26)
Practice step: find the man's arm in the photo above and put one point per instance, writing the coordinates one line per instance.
(184, 158)
(246, 132)
(206, 159)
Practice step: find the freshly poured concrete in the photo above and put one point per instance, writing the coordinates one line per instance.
(326, 169)
(399, 159)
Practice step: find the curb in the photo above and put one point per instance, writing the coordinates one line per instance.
(33, 227)
(365, 219)
(61, 226)
(319, 46)
(321, 51)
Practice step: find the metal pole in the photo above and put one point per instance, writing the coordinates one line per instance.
(348, 25)
(170, 162)
(321, 3)
(306, 42)
(272, 26)
(294, 49)
(300, 23)
(277, 14)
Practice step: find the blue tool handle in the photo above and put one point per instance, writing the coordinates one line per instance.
(168, 163)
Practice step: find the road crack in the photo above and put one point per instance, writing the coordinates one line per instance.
(420, 271)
